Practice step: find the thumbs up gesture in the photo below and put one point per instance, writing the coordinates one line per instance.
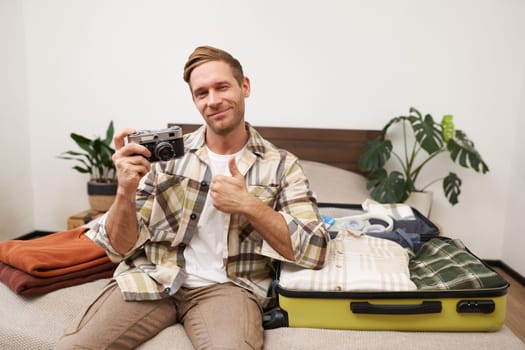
(229, 193)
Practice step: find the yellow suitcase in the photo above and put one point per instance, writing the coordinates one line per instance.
(463, 310)
(416, 310)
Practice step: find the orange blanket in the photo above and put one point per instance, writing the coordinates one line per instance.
(53, 255)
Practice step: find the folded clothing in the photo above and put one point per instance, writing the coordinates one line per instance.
(398, 211)
(53, 255)
(362, 223)
(355, 262)
(407, 240)
(441, 264)
(25, 284)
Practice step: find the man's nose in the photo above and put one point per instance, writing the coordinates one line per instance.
(213, 97)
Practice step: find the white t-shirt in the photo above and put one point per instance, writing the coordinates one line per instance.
(204, 255)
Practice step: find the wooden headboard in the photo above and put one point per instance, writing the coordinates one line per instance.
(337, 147)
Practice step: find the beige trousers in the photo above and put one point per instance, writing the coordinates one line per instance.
(221, 316)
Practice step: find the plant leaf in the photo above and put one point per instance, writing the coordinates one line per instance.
(109, 133)
(387, 188)
(392, 122)
(447, 127)
(97, 156)
(82, 142)
(414, 110)
(427, 133)
(82, 170)
(463, 151)
(452, 187)
(88, 161)
(375, 155)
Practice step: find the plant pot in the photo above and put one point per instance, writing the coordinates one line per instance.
(101, 195)
(422, 201)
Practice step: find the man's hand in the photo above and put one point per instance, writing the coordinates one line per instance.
(121, 222)
(229, 193)
(130, 162)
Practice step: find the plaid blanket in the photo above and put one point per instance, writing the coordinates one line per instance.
(443, 264)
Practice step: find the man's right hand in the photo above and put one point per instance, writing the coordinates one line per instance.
(130, 162)
(131, 165)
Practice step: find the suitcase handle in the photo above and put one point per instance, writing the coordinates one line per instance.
(426, 307)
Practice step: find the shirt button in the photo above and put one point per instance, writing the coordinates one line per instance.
(167, 290)
(204, 184)
(182, 245)
(193, 216)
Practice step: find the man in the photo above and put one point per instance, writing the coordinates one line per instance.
(196, 236)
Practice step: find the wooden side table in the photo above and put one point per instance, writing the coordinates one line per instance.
(82, 218)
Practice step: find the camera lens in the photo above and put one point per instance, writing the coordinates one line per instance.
(164, 151)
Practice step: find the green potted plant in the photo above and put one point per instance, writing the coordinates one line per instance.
(423, 140)
(95, 159)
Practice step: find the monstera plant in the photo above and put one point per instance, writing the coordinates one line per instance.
(423, 140)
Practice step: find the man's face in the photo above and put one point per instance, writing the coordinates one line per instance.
(218, 96)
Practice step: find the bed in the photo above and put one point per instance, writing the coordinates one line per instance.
(37, 322)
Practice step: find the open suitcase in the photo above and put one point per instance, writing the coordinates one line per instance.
(463, 309)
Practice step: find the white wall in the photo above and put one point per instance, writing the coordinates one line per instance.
(514, 234)
(16, 187)
(340, 64)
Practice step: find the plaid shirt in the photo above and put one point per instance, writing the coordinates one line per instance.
(170, 199)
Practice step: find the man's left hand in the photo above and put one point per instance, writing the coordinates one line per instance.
(229, 193)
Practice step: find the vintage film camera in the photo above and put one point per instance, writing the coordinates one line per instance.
(163, 144)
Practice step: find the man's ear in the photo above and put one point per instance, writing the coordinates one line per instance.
(246, 86)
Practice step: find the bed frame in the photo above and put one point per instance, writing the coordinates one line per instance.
(338, 147)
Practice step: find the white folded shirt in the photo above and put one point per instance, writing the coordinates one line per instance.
(355, 262)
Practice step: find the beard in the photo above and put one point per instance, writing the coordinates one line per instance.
(226, 125)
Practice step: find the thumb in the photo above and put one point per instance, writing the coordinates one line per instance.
(233, 167)
(119, 137)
